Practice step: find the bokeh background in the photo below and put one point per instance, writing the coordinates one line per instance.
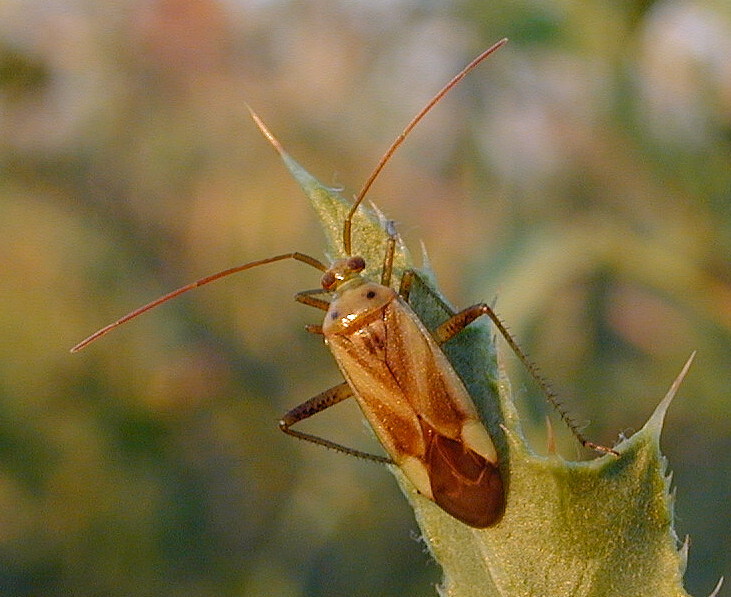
(582, 176)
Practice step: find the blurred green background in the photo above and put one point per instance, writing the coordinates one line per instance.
(582, 176)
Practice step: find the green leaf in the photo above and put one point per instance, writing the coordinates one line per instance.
(587, 529)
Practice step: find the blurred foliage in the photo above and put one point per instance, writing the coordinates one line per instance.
(582, 176)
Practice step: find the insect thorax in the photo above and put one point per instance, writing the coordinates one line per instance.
(357, 301)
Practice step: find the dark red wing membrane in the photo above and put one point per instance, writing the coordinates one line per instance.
(463, 482)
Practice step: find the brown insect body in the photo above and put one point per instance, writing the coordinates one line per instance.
(414, 401)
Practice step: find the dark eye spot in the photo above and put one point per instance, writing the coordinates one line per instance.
(370, 294)
(334, 315)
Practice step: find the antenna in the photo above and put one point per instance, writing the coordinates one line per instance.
(348, 225)
(202, 282)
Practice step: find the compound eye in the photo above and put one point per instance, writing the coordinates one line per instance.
(356, 264)
(328, 280)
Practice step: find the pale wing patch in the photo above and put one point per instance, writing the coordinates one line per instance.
(475, 436)
(416, 472)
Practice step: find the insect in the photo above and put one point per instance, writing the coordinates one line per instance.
(393, 365)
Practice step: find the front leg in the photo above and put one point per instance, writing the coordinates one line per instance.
(309, 298)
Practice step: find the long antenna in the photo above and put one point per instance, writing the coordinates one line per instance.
(348, 225)
(198, 283)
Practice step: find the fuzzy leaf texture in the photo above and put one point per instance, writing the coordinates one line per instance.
(602, 528)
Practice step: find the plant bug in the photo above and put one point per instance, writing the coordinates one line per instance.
(409, 392)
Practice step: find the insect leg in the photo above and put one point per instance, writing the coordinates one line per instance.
(407, 281)
(315, 405)
(459, 321)
(309, 298)
(410, 278)
(387, 268)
